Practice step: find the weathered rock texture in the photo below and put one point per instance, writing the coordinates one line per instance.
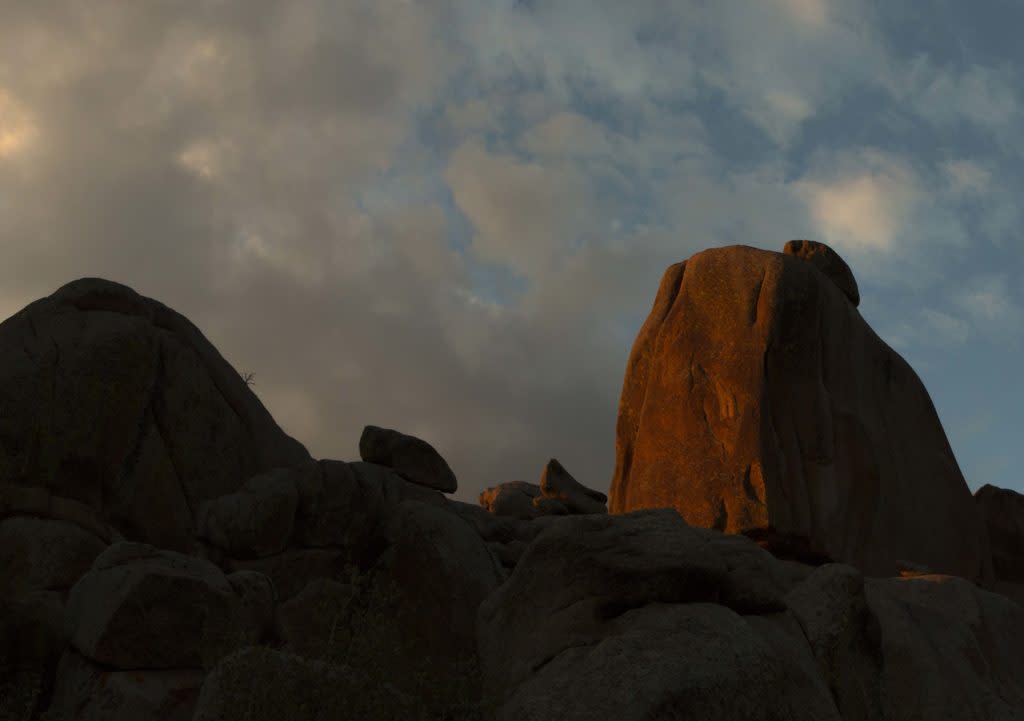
(756, 396)
(273, 586)
(638, 617)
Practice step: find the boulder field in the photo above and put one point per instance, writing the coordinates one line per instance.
(168, 553)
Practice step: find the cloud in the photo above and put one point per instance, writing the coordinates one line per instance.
(861, 201)
(967, 177)
(525, 213)
(17, 130)
(983, 96)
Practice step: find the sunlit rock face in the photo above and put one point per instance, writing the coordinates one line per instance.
(756, 396)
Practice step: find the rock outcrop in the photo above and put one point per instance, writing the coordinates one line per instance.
(1003, 513)
(828, 262)
(293, 588)
(557, 494)
(118, 403)
(662, 620)
(756, 396)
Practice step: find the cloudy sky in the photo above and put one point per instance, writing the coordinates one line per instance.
(450, 217)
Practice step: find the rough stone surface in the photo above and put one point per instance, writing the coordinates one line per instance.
(756, 396)
(615, 563)
(309, 623)
(292, 570)
(413, 458)
(43, 554)
(650, 628)
(1003, 513)
(86, 691)
(115, 401)
(828, 262)
(109, 611)
(260, 684)
(257, 518)
(845, 638)
(252, 583)
(32, 639)
(950, 650)
(442, 571)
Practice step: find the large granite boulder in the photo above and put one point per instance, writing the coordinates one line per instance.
(756, 396)
(114, 400)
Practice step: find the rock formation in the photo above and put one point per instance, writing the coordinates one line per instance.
(267, 585)
(557, 494)
(757, 397)
(1003, 513)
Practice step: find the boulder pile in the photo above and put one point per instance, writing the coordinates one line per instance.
(168, 553)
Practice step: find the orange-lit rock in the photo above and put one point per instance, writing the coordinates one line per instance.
(756, 395)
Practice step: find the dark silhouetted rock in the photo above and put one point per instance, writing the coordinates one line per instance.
(756, 396)
(558, 494)
(1003, 514)
(513, 499)
(117, 402)
(274, 586)
(556, 483)
(412, 458)
(828, 262)
(657, 622)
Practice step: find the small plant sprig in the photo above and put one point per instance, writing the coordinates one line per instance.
(247, 377)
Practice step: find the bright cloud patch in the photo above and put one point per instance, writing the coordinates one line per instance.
(17, 131)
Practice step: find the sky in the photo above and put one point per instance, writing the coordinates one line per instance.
(450, 217)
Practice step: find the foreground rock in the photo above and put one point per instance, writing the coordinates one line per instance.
(662, 620)
(756, 396)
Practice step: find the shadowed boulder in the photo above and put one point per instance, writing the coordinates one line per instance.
(756, 396)
(118, 402)
(1003, 513)
(412, 458)
(828, 262)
